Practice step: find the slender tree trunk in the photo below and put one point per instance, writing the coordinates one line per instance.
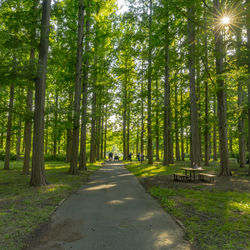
(28, 120)
(195, 146)
(214, 130)
(38, 171)
(18, 142)
(93, 119)
(142, 120)
(167, 109)
(105, 131)
(76, 119)
(157, 142)
(221, 97)
(128, 124)
(182, 136)
(55, 134)
(150, 145)
(124, 116)
(69, 129)
(9, 125)
(248, 80)
(206, 132)
(83, 158)
(177, 147)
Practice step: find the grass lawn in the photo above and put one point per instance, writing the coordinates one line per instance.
(215, 216)
(23, 208)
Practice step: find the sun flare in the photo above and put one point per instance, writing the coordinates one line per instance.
(225, 20)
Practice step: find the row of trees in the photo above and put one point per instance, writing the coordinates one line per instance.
(166, 79)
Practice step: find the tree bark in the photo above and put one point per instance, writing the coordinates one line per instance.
(18, 141)
(195, 146)
(248, 79)
(9, 125)
(150, 145)
(182, 137)
(177, 147)
(55, 134)
(167, 109)
(157, 143)
(206, 131)
(38, 171)
(76, 119)
(221, 97)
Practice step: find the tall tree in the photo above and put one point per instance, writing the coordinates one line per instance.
(221, 95)
(195, 141)
(83, 158)
(38, 171)
(150, 146)
(76, 119)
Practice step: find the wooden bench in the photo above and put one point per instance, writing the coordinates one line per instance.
(209, 176)
(180, 177)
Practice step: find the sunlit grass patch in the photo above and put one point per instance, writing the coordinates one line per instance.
(24, 208)
(217, 217)
(217, 220)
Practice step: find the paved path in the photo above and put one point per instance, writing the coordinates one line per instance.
(112, 212)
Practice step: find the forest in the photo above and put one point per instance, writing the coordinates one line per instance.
(166, 79)
(164, 82)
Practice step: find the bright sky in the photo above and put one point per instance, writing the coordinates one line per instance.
(122, 6)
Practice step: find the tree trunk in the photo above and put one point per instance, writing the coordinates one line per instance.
(9, 125)
(214, 130)
(150, 145)
(177, 147)
(93, 119)
(167, 109)
(18, 142)
(55, 134)
(83, 158)
(105, 131)
(195, 141)
(128, 124)
(124, 116)
(38, 171)
(221, 97)
(28, 120)
(76, 119)
(248, 80)
(142, 120)
(182, 137)
(206, 132)
(157, 143)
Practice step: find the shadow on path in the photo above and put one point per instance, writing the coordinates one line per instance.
(112, 211)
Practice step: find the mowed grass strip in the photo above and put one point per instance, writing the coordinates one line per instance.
(23, 208)
(213, 218)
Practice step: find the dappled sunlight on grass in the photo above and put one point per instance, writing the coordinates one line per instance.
(215, 216)
(23, 208)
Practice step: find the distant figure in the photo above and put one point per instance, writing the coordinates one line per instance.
(130, 156)
(138, 157)
(195, 166)
(142, 158)
(110, 156)
(116, 158)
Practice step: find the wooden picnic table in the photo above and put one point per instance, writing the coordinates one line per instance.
(192, 172)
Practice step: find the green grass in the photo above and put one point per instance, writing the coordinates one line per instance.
(213, 219)
(23, 208)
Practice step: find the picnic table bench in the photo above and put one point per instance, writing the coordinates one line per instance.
(181, 177)
(209, 176)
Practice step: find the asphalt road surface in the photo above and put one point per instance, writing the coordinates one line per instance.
(111, 212)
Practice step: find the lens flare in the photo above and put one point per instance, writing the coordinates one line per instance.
(225, 20)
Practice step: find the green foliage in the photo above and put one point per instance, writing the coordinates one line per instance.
(2, 155)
